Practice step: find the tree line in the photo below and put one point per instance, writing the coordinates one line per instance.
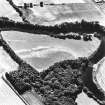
(83, 28)
(75, 36)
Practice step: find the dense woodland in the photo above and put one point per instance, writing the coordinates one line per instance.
(59, 84)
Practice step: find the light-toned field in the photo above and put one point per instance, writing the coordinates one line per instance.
(84, 100)
(6, 63)
(36, 49)
(68, 13)
(6, 10)
(75, 10)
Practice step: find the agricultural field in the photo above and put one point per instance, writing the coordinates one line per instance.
(44, 48)
(51, 15)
